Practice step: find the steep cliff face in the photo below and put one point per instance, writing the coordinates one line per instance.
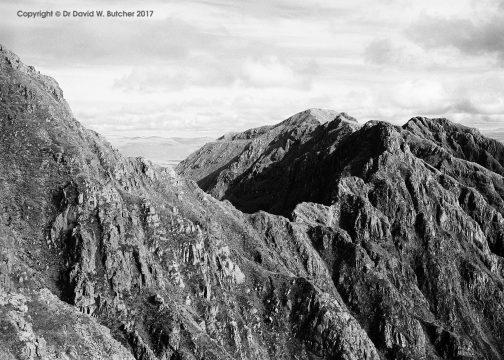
(103, 257)
(408, 221)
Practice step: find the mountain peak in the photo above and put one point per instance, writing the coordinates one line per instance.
(313, 116)
(459, 141)
(345, 117)
(438, 125)
(9, 60)
(426, 121)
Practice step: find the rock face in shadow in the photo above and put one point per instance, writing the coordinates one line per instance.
(408, 220)
(259, 169)
(104, 257)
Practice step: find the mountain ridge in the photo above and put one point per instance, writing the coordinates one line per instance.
(220, 188)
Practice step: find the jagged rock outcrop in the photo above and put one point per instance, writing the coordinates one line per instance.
(408, 221)
(91, 241)
(37, 325)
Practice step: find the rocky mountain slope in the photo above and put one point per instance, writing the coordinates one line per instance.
(407, 219)
(103, 257)
(391, 249)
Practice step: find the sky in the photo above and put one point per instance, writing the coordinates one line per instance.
(201, 68)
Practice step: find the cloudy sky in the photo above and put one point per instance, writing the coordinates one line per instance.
(202, 68)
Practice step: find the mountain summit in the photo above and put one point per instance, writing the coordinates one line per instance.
(269, 155)
(362, 242)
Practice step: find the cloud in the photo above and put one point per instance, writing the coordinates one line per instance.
(420, 94)
(381, 51)
(400, 54)
(316, 9)
(112, 42)
(274, 72)
(212, 66)
(177, 31)
(403, 55)
(470, 36)
(167, 79)
(203, 71)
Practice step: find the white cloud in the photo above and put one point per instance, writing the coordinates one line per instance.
(272, 71)
(420, 95)
(174, 78)
(480, 34)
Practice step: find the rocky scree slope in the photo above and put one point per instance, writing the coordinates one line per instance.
(408, 220)
(106, 257)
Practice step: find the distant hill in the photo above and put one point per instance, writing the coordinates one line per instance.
(164, 151)
(497, 134)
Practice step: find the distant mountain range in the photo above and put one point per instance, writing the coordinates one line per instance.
(164, 151)
(497, 134)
